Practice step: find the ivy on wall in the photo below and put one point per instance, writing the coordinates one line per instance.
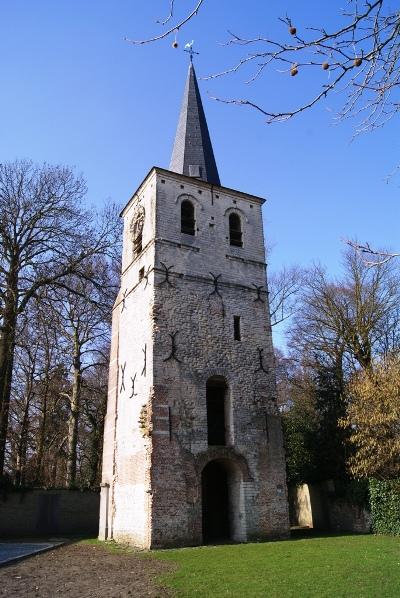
(385, 506)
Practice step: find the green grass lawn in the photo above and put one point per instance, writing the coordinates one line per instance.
(326, 566)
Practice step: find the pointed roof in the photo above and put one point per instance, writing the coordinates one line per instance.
(193, 153)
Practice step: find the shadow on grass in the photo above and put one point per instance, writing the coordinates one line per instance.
(300, 533)
(304, 533)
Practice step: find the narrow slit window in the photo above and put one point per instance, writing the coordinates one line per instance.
(235, 231)
(141, 274)
(187, 218)
(236, 328)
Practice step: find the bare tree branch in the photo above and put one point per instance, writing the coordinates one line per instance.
(283, 289)
(380, 257)
(170, 14)
(173, 29)
(360, 59)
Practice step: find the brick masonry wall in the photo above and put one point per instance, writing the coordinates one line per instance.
(154, 478)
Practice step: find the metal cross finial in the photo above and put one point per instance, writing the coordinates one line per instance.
(189, 49)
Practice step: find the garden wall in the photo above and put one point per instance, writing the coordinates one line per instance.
(318, 506)
(49, 512)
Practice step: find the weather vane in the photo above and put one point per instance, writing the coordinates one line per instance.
(189, 49)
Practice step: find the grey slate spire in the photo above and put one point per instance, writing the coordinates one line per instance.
(193, 153)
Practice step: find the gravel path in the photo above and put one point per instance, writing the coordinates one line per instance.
(83, 571)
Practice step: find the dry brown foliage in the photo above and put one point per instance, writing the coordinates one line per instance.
(373, 418)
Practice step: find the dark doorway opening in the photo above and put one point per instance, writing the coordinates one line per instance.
(215, 502)
(215, 396)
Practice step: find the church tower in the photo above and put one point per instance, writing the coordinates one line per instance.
(192, 444)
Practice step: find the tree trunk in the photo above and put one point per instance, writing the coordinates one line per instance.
(42, 431)
(23, 441)
(74, 415)
(7, 347)
(95, 456)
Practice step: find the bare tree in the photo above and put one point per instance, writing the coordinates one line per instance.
(38, 378)
(23, 396)
(93, 411)
(45, 236)
(360, 58)
(59, 387)
(352, 318)
(80, 312)
(284, 287)
(51, 380)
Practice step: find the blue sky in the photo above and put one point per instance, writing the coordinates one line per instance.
(74, 92)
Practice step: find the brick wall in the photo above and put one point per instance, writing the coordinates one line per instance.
(44, 512)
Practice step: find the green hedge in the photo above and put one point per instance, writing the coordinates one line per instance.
(384, 496)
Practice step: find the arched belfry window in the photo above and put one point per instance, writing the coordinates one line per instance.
(235, 230)
(216, 391)
(187, 217)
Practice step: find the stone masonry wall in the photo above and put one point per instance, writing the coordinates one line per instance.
(201, 317)
(152, 469)
(205, 347)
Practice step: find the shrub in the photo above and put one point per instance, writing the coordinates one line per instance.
(373, 420)
(385, 506)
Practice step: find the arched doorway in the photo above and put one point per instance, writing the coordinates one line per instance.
(215, 502)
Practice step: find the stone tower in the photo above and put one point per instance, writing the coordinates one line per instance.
(192, 444)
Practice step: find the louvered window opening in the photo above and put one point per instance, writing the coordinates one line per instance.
(137, 244)
(235, 231)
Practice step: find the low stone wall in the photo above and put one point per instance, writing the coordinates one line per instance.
(345, 517)
(316, 506)
(44, 512)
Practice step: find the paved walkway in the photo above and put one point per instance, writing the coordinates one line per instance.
(13, 551)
